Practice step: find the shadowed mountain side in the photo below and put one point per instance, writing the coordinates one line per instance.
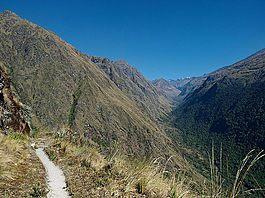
(228, 108)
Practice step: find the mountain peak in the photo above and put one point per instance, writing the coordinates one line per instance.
(8, 13)
(121, 61)
(160, 79)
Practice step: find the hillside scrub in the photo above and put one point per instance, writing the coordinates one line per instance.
(228, 108)
(92, 174)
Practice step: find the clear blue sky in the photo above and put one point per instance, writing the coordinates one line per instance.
(161, 38)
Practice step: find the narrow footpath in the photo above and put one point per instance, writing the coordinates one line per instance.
(55, 177)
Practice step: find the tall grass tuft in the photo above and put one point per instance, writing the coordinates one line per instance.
(241, 174)
(220, 186)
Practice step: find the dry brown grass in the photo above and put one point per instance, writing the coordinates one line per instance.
(90, 174)
(20, 169)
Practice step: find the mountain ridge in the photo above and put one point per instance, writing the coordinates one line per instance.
(133, 84)
(65, 88)
(228, 109)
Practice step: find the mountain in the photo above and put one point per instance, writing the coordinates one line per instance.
(166, 88)
(176, 90)
(65, 88)
(228, 108)
(134, 85)
(231, 100)
(115, 106)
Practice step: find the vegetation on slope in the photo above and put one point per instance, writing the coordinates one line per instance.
(111, 109)
(76, 97)
(134, 85)
(89, 173)
(229, 109)
(92, 174)
(47, 71)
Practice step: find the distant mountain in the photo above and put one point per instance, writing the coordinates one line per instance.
(229, 108)
(176, 90)
(66, 88)
(166, 88)
(134, 85)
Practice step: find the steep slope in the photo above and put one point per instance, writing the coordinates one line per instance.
(13, 116)
(20, 170)
(190, 85)
(166, 88)
(176, 90)
(134, 85)
(63, 87)
(228, 108)
(232, 100)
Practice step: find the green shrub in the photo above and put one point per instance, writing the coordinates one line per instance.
(38, 191)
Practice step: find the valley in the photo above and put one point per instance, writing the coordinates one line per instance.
(114, 133)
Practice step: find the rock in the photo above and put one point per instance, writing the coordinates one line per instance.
(33, 145)
(105, 60)
(11, 115)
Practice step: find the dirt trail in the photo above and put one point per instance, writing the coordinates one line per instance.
(55, 176)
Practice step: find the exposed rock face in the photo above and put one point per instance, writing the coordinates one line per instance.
(11, 116)
(100, 60)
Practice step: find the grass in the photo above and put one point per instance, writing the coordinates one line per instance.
(102, 110)
(17, 136)
(20, 169)
(39, 191)
(92, 174)
(241, 173)
(221, 187)
(4, 160)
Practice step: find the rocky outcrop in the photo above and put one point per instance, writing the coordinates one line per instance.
(98, 59)
(11, 114)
